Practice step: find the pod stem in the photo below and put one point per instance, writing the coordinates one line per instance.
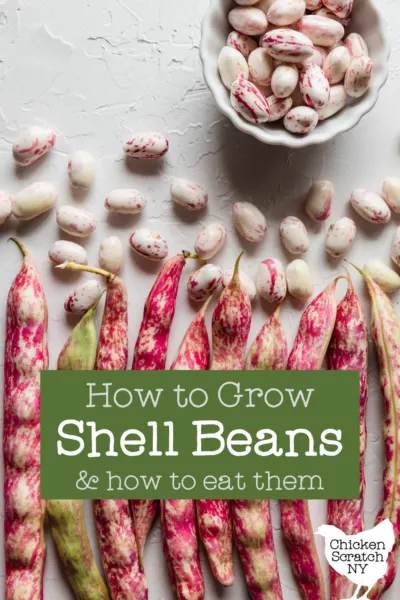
(356, 268)
(20, 246)
(186, 254)
(236, 269)
(73, 266)
(206, 304)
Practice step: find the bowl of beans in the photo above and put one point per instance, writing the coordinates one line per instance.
(294, 72)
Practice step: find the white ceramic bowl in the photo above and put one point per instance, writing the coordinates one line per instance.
(367, 19)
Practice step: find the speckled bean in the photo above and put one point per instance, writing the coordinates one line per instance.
(248, 20)
(6, 204)
(341, 8)
(370, 206)
(204, 282)
(65, 251)
(301, 120)
(249, 102)
(337, 101)
(146, 146)
(81, 169)
(83, 297)
(391, 193)
(33, 143)
(395, 249)
(191, 196)
(387, 279)
(34, 200)
(340, 237)
(271, 280)
(299, 280)
(358, 76)
(241, 42)
(314, 87)
(314, 4)
(286, 12)
(284, 80)
(111, 254)
(336, 64)
(125, 202)
(261, 66)
(278, 107)
(76, 221)
(249, 221)
(232, 65)
(321, 30)
(210, 241)
(318, 57)
(288, 45)
(149, 244)
(319, 201)
(265, 5)
(294, 235)
(325, 12)
(246, 281)
(356, 45)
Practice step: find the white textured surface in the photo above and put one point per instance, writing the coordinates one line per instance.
(98, 70)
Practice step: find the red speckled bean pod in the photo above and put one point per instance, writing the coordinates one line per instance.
(151, 355)
(348, 351)
(310, 346)
(230, 331)
(269, 350)
(194, 352)
(25, 356)
(385, 330)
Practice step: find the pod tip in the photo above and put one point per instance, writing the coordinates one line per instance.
(20, 245)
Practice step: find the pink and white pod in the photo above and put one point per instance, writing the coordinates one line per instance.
(288, 45)
(395, 248)
(189, 195)
(358, 76)
(248, 20)
(336, 64)
(301, 120)
(387, 279)
(246, 282)
(241, 42)
(261, 66)
(337, 101)
(249, 221)
(278, 107)
(319, 201)
(210, 241)
(75, 221)
(149, 244)
(146, 146)
(340, 237)
(125, 201)
(356, 45)
(249, 102)
(271, 280)
(314, 87)
(33, 143)
(341, 8)
(204, 282)
(370, 206)
(286, 12)
(284, 80)
(232, 65)
(294, 235)
(6, 204)
(83, 297)
(320, 30)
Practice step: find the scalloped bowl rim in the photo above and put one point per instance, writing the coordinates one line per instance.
(344, 120)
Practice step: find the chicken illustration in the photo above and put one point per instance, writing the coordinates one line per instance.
(362, 558)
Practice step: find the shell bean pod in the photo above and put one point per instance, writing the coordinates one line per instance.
(288, 45)
(261, 66)
(125, 202)
(148, 244)
(299, 280)
(340, 237)
(248, 20)
(6, 204)
(314, 87)
(76, 221)
(286, 12)
(188, 194)
(210, 241)
(356, 45)
(34, 200)
(301, 120)
(249, 221)
(249, 102)
(337, 101)
(146, 146)
(111, 254)
(194, 352)
(83, 297)
(204, 282)
(370, 206)
(269, 351)
(214, 521)
(321, 30)
(391, 193)
(271, 280)
(341, 8)
(241, 42)
(81, 169)
(33, 143)
(278, 107)
(395, 248)
(294, 235)
(319, 201)
(246, 282)
(232, 65)
(358, 76)
(284, 80)
(387, 279)
(336, 64)
(63, 251)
